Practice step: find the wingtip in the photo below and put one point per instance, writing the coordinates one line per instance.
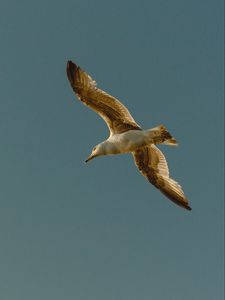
(71, 63)
(71, 70)
(188, 208)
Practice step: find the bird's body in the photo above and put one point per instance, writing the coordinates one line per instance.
(126, 142)
(132, 140)
(126, 136)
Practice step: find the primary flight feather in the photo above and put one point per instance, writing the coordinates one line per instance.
(126, 136)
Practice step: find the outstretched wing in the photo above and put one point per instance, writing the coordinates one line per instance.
(152, 164)
(115, 114)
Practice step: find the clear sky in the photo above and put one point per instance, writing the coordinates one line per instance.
(100, 231)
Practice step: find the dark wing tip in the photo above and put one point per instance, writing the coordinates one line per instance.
(71, 70)
(179, 201)
(188, 208)
(185, 206)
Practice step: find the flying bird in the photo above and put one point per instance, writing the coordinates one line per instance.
(126, 136)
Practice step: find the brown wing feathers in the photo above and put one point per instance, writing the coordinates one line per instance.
(109, 108)
(152, 164)
(149, 160)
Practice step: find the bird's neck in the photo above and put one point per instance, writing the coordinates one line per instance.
(110, 148)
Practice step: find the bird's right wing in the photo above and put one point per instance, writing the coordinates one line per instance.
(114, 113)
(152, 164)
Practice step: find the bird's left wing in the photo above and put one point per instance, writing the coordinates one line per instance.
(114, 113)
(152, 164)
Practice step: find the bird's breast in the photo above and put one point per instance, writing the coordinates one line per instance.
(128, 141)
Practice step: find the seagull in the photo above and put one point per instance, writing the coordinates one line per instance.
(126, 136)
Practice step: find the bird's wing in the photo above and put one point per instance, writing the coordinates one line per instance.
(152, 164)
(114, 113)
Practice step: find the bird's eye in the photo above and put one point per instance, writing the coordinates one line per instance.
(94, 148)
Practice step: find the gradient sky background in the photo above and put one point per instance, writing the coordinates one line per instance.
(101, 231)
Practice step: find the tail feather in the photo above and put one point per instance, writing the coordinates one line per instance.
(161, 135)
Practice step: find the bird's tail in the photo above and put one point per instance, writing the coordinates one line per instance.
(160, 135)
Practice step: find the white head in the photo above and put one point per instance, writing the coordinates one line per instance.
(98, 150)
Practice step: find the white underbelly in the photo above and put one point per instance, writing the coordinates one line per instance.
(129, 140)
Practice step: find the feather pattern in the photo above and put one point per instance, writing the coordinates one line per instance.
(114, 113)
(152, 164)
(149, 159)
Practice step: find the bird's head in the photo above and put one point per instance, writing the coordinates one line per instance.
(96, 151)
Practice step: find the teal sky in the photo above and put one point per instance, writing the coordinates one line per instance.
(100, 231)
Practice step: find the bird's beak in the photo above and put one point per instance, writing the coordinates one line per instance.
(89, 158)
